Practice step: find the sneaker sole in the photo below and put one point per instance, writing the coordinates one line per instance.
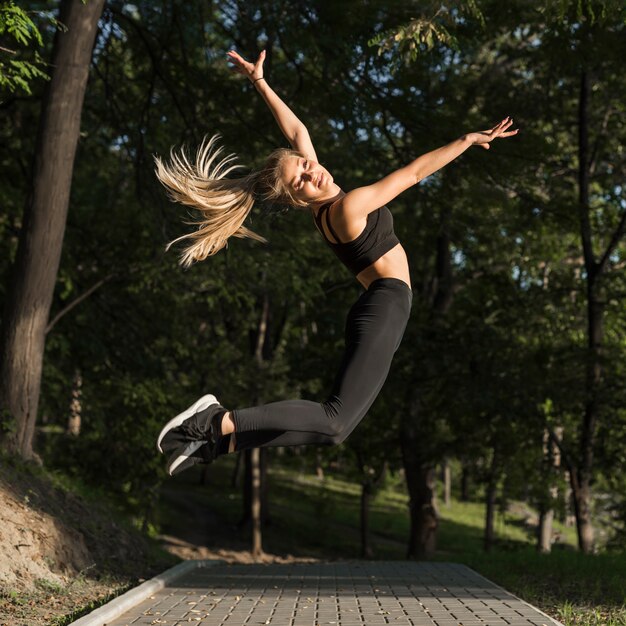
(184, 458)
(175, 422)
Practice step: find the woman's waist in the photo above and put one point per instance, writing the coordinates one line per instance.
(393, 264)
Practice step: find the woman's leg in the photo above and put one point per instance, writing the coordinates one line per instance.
(374, 329)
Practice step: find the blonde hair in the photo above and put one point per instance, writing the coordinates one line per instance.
(223, 203)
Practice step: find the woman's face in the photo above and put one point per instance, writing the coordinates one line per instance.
(307, 180)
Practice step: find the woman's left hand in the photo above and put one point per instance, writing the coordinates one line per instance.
(484, 137)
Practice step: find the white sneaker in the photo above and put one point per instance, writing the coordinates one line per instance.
(175, 422)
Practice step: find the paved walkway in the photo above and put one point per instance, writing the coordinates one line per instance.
(362, 593)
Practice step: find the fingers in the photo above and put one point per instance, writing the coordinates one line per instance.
(235, 55)
(237, 59)
(502, 129)
(260, 60)
(500, 125)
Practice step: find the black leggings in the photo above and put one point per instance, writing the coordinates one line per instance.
(374, 329)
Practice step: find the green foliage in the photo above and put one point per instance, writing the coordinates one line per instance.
(418, 36)
(590, 11)
(477, 383)
(421, 35)
(17, 27)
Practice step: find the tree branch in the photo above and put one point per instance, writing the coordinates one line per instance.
(76, 302)
(596, 146)
(617, 235)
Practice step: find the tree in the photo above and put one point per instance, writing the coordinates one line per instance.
(41, 238)
(566, 53)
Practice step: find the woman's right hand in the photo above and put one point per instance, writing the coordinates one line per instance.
(252, 71)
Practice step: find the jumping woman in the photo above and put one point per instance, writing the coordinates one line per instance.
(358, 227)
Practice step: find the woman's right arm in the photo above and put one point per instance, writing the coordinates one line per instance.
(293, 129)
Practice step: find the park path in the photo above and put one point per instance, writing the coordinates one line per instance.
(355, 593)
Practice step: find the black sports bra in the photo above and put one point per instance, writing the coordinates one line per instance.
(376, 239)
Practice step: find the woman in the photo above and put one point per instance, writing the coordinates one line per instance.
(356, 225)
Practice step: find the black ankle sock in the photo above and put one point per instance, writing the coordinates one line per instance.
(216, 425)
(222, 445)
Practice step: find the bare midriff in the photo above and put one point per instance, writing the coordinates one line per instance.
(393, 264)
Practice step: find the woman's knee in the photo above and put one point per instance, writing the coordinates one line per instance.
(339, 432)
(343, 417)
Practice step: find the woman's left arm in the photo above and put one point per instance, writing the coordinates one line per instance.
(363, 200)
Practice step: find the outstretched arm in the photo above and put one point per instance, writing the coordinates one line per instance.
(293, 129)
(363, 200)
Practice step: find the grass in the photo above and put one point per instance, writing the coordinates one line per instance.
(53, 604)
(320, 518)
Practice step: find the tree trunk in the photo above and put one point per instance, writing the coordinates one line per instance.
(366, 495)
(74, 420)
(552, 458)
(255, 507)
(369, 486)
(420, 481)
(234, 478)
(41, 238)
(595, 310)
(581, 492)
(546, 517)
(257, 539)
(446, 476)
(249, 497)
(490, 502)
(319, 468)
(420, 471)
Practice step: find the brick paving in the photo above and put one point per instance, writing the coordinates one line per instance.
(361, 593)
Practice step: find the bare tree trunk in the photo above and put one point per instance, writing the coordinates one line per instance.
(420, 481)
(257, 538)
(581, 486)
(552, 458)
(234, 479)
(490, 502)
(369, 485)
(255, 507)
(420, 473)
(41, 238)
(74, 420)
(366, 495)
(447, 481)
(546, 517)
(319, 469)
(581, 492)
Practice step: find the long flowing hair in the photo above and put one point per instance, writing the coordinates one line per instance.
(223, 203)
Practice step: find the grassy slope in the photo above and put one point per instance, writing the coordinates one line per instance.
(121, 556)
(312, 517)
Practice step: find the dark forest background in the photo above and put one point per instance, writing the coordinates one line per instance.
(512, 365)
